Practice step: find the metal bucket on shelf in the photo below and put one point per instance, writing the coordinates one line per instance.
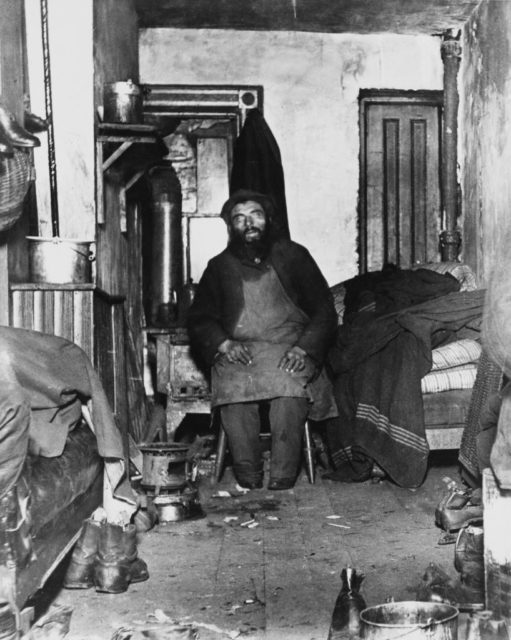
(410, 620)
(123, 103)
(59, 261)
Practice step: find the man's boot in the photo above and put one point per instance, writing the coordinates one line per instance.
(5, 146)
(34, 123)
(80, 572)
(138, 568)
(14, 132)
(112, 568)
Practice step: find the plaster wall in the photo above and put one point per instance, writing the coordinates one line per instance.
(70, 44)
(311, 83)
(485, 136)
(91, 42)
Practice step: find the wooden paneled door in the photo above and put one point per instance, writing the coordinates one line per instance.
(400, 178)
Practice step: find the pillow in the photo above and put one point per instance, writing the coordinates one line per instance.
(455, 354)
(462, 377)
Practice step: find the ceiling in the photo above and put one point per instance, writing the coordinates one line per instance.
(335, 16)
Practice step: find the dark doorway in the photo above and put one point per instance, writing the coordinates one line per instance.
(400, 186)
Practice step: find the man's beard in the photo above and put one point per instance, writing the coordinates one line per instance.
(258, 248)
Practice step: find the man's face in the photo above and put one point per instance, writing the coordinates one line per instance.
(248, 221)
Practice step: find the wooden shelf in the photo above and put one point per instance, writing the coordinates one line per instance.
(124, 136)
(126, 151)
(46, 286)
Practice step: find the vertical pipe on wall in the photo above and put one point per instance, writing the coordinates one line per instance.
(49, 118)
(450, 239)
(166, 248)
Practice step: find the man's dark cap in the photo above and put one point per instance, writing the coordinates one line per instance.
(244, 195)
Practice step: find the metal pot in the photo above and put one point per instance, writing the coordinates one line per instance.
(123, 103)
(165, 465)
(410, 620)
(169, 509)
(59, 261)
(175, 507)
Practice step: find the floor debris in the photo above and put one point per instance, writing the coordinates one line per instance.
(202, 571)
(54, 625)
(122, 633)
(248, 523)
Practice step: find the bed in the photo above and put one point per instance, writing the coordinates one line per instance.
(408, 344)
(56, 431)
(60, 492)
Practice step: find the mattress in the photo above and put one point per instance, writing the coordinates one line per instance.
(54, 483)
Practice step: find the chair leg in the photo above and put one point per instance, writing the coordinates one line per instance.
(220, 455)
(309, 454)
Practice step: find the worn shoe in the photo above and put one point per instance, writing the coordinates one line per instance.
(34, 123)
(80, 572)
(5, 146)
(247, 484)
(459, 508)
(14, 132)
(281, 484)
(112, 571)
(137, 566)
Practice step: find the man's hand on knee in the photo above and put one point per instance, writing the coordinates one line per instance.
(235, 352)
(293, 360)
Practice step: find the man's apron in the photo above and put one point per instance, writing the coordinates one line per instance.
(270, 323)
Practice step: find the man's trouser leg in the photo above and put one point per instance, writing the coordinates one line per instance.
(242, 425)
(287, 422)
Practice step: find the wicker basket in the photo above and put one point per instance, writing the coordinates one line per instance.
(14, 182)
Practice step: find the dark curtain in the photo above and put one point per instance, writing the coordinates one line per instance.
(257, 165)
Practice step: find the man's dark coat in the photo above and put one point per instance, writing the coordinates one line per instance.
(218, 302)
(257, 165)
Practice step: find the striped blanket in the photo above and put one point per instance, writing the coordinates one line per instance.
(378, 365)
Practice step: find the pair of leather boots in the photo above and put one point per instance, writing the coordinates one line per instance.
(105, 557)
(12, 134)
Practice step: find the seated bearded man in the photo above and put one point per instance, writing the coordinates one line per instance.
(263, 318)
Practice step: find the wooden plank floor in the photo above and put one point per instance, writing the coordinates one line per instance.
(278, 580)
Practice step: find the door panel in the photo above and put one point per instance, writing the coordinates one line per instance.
(400, 184)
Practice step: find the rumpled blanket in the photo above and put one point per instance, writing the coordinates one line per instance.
(377, 365)
(45, 380)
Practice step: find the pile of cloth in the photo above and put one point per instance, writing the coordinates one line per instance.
(393, 320)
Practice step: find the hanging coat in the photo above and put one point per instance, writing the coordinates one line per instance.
(257, 166)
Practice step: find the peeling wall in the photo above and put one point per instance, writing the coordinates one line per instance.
(485, 134)
(311, 83)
